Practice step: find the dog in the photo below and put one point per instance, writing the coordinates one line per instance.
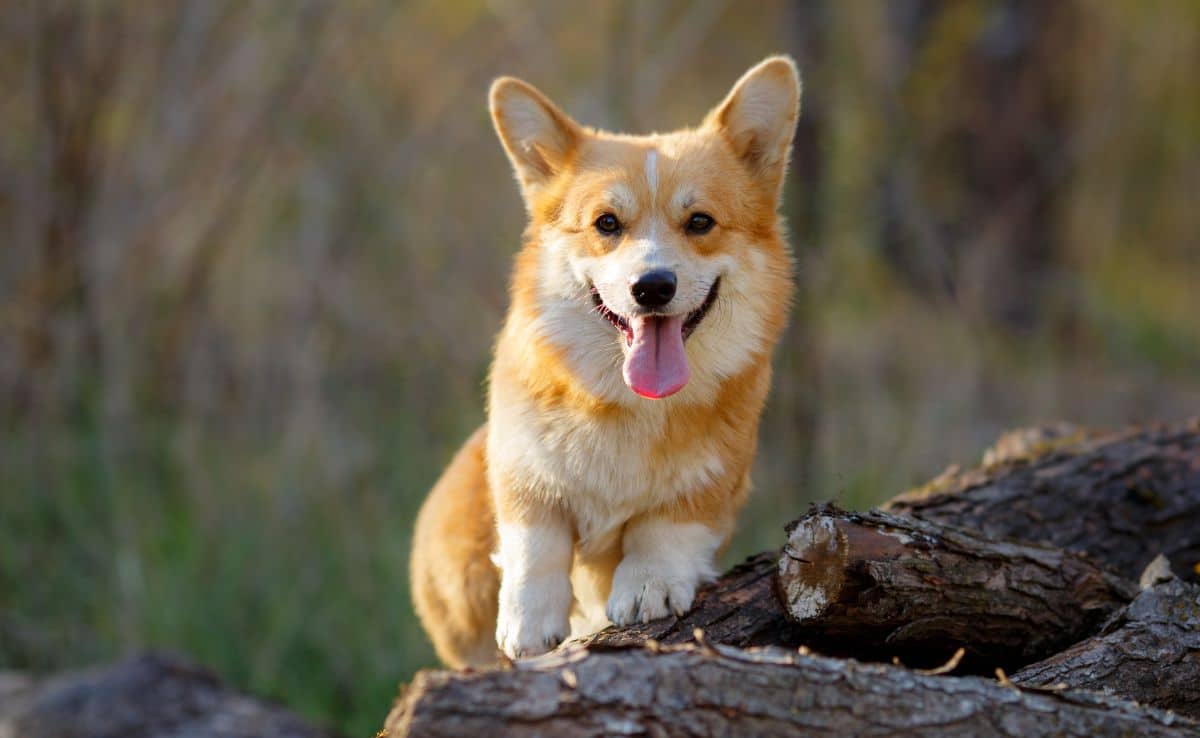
(628, 379)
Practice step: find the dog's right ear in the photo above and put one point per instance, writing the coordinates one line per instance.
(538, 137)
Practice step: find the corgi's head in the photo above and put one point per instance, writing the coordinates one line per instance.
(659, 254)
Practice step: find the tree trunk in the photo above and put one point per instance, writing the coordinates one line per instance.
(707, 690)
(1150, 653)
(1122, 497)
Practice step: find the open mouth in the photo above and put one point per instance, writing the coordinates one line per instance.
(689, 323)
(618, 322)
(656, 365)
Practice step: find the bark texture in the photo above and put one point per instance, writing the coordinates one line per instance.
(1122, 497)
(1150, 653)
(878, 585)
(149, 696)
(702, 690)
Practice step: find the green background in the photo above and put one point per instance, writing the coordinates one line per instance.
(253, 256)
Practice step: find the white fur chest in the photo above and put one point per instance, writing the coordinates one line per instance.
(601, 471)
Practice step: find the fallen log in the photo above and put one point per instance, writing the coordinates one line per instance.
(874, 586)
(956, 575)
(1150, 653)
(1123, 497)
(711, 690)
(147, 695)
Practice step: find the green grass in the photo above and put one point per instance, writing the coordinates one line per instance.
(245, 563)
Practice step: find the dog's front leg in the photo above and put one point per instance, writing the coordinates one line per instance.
(664, 562)
(534, 557)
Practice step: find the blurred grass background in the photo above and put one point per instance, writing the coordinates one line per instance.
(252, 257)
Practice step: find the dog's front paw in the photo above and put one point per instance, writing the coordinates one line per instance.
(533, 620)
(644, 590)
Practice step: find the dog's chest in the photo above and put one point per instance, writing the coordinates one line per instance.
(604, 468)
(609, 472)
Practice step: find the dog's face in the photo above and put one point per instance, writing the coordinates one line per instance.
(648, 242)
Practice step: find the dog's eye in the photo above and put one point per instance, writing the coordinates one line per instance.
(700, 223)
(608, 224)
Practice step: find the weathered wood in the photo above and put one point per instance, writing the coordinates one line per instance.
(149, 696)
(879, 585)
(1122, 497)
(1150, 653)
(702, 690)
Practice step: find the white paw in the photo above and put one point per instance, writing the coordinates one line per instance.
(533, 619)
(644, 590)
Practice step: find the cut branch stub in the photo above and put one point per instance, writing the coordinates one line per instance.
(874, 585)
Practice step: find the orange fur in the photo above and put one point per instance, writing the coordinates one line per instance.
(582, 491)
(454, 582)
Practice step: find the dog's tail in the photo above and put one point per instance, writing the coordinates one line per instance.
(455, 585)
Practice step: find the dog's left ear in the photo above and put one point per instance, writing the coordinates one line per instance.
(758, 118)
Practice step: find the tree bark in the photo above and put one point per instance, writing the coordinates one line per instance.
(1122, 497)
(714, 690)
(874, 585)
(1149, 654)
(148, 696)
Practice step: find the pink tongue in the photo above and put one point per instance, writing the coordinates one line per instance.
(656, 365)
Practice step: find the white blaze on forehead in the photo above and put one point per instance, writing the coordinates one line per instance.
(652, 182)
(652, 171)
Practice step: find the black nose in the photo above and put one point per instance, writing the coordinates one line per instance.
(654, 289)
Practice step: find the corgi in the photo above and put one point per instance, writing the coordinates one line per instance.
(628, 378)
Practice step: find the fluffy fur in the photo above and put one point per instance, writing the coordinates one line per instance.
(580, 502)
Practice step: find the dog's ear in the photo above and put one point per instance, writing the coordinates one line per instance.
(758, 118)
(538, 137)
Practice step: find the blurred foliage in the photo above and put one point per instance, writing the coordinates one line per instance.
(253, 255)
